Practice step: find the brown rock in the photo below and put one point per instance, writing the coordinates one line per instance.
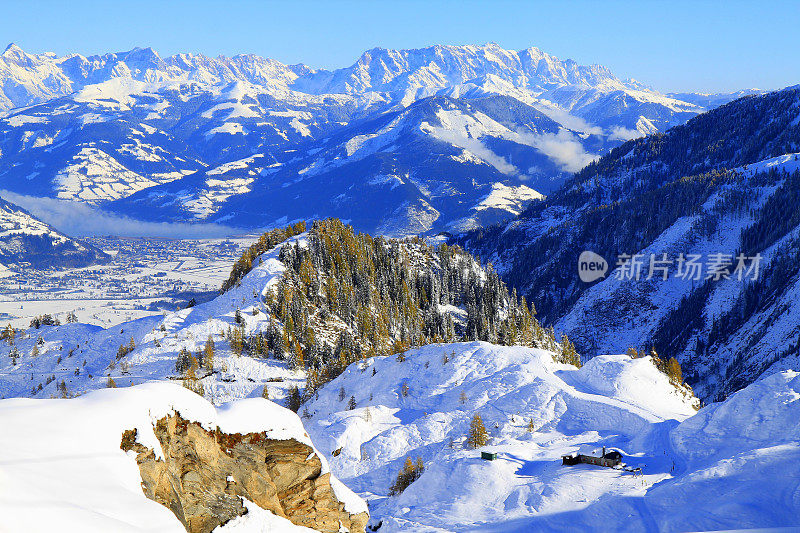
(205, 474)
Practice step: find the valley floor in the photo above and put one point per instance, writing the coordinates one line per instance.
(145, 277)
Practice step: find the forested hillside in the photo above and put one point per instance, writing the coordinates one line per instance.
(346, 296)
(298, 308)
(724, 183)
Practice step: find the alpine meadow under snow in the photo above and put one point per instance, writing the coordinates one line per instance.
(404, 343)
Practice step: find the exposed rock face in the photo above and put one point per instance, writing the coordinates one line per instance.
(204, 474)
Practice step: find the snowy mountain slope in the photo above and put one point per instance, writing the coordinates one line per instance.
(83, 356)
(103, 128)
(723, 184)
(63, 458)
(88, 153)
(279, 333)
(112, 139)
(428, 167)
(612, 401)
(27, 241)
(564, 85)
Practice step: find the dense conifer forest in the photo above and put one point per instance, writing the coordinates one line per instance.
(346, 296)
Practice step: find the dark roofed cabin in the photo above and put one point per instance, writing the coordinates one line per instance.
(610, 459)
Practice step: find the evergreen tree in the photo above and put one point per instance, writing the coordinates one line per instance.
(208, 354)
(294, 400)
(478, 436)
(8, 334)
(237, 341)
(184, 361)
(191, 380)
(411, 472)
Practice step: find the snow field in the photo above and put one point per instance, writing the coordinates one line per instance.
(63, 470)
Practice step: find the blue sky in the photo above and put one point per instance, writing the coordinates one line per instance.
(679, 45)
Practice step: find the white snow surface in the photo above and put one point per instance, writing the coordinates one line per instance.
(84, 356)
(730, 465)
(63, 470)
(612, 401)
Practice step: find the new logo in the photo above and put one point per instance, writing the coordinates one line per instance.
(591, 266)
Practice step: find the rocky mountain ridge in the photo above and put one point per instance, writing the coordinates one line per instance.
(239, 140)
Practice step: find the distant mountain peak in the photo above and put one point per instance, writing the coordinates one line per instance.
(259, 125)
(13, 50)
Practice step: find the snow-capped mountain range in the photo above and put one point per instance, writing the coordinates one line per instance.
(439, 138)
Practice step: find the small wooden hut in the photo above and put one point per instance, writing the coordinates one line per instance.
(610, 459)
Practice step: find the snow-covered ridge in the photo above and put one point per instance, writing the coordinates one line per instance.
(104, 128)
(535, 411)
(25, 240)
(38, 77)
(63, 457)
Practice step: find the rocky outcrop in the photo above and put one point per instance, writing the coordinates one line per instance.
(204, 475)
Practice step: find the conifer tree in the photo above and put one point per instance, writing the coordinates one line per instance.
(208, 353)
(184, 361)
(237, 341)
(478, 436)
(8, 334)
(411, 472)
(191, 381)
(294, 400)
(674, 371)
